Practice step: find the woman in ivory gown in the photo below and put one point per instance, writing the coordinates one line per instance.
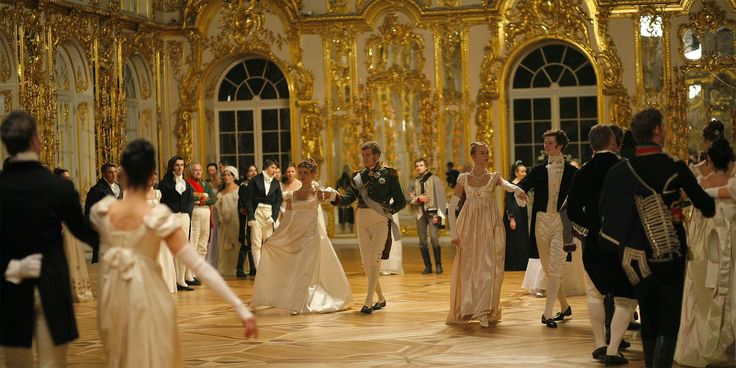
(75, 258)
(227, 210)
(708, 321)
(288, 186)
(478, 234)
(165, 258)
(137, 316)
(299, 269)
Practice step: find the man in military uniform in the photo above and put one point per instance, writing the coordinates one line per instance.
(656, 269)
(379, 196)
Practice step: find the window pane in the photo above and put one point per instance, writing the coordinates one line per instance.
(585, 126)
(244, 94)
(245, 121)
(283, 89)
(286, 160)
(247, 160)
(523, 78)
(571, 129)
(554, 72)
(256, 84)
(522, 133)
(538, 154)
(255, 67)
(285, 141)
(541, 80)
(573, 58)
(228, 159)
(227, 121)
(553, 53)
(273, 73)
(227, 143)
(534, 60)
(586, 75)
(269, 119)
(270, 143)
(542, 108)
(246, 144)
(588, 107)
(522, 110)
(568, 79)
(568, 107)
(284, 119)
(236, 74)
(227, 91)
(524, 153)
(269, 92)
(539, 128)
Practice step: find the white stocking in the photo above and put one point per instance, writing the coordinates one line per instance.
(620, 322)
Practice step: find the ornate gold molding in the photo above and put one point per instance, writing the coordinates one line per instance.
(546, 17)
(7, 96)
(312, 126)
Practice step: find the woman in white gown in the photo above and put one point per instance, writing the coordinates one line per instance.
(165, 258)
(299, 269)
(75, 258)
(227, 211)
(708, 321)
(480, 239)
(137, 316)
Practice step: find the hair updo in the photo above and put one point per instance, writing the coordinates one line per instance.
(713, 130)
(474, 147)
(720, 154)
(308, 164)
(139, 162)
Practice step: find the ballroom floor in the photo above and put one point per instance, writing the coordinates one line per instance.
(409, 332)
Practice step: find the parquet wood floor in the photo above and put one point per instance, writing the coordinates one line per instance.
(410, 332)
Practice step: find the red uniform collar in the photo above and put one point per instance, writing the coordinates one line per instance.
(648, 149)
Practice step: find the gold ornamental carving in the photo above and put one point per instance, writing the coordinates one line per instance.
(81, 83)
(184, 142)
(312, 126)
(546, 17)
(4, 67)
(337, 6)
(82, 115)
(146, 118)
(7, 96)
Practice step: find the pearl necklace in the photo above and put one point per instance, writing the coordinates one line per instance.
(478, 179)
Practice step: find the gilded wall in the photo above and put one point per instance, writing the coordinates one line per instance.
(423, 77)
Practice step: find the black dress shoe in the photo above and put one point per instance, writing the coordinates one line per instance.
(561, 315)
(549, 322)
(183, 288)
(427, 269)
(623, 345)
(241, 275)
(252, 273)
(615, 360)
(600, 353)
(194, 282)
(439, 268)
(379, 305)
(634, 326)
(366, 310)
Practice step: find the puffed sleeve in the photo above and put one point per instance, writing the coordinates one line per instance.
(461, 179)
(99, 210)
(162, 221)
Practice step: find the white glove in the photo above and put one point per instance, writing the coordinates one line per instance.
(713, 192)
(451, 216)
(26, 268)
(205, 195)
(331, 194)
(269, 220)
(251, 223)
(212, 278)
(510, 187)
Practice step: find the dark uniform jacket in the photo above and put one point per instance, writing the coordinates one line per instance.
(256, 193)
(621, 228)
(177, 203)
(98, 191)
(602, 265)
(382, 185)
(34, 204)
(539, 182)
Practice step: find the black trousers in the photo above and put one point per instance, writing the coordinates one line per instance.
(660, 313)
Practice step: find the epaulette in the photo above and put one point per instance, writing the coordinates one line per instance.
(391, 171)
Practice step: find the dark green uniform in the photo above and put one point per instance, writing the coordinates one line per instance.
(382, 185)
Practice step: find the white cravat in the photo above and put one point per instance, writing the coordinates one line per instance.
(555, 168)
(181, 186)
(267, 182)
(25, 156)
(115, 189)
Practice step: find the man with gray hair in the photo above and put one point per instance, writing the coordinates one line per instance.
(35, 293)
(603, 269)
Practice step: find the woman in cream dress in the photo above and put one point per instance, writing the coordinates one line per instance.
(75, 258)
(708, 321)
(480, 239)
(137, 316)
(299, 269)
(165, 258)
(227, 210)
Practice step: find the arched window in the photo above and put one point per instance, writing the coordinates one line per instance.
(253, 115)
(554, 86)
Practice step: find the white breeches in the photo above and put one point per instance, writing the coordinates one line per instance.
(200, 229)
(261, 231)
(548, 230)
(183, 273)
(372, 230)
